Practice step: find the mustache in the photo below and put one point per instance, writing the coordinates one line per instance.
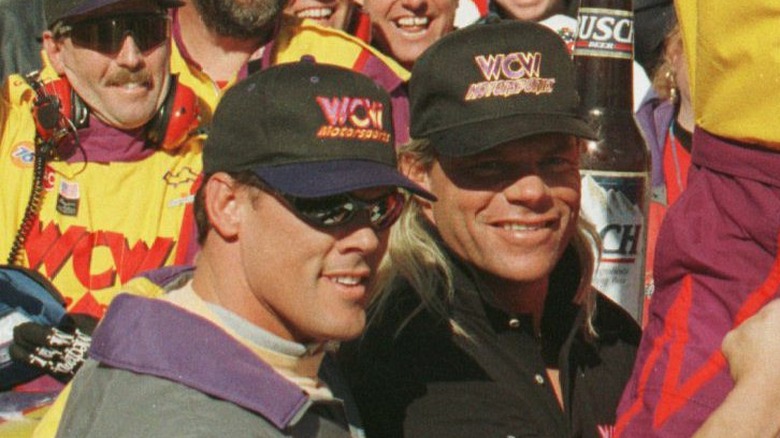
(122, 77)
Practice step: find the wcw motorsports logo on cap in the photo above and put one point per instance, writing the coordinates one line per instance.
(508, 75)
(352, 118)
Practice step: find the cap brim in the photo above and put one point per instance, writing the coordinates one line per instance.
(326, 178)
(473, 138)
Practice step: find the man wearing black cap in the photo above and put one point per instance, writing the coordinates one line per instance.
(486, 324)
(293, 216)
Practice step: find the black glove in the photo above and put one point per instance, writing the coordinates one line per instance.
(58, 351)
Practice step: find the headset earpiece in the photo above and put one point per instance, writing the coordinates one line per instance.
(178, 116)
(58, 110)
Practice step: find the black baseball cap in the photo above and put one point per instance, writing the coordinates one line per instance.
(72, 10)
(307, 130)
(487, 84)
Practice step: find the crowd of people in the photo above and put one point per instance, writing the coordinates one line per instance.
(297, 218)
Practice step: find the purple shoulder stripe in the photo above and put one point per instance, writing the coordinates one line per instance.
(381, 73)
(157, 338)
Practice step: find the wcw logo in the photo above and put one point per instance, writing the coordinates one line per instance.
(49, 247)
(354, 118)
(510, 66)
(510, 74)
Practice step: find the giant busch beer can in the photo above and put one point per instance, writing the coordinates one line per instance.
(615, 169)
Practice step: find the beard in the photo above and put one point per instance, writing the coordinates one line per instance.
(241, 19)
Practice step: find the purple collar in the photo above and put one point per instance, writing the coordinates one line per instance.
(157, 338)
(101, 143)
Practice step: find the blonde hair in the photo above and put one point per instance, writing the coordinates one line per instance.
(416, 256)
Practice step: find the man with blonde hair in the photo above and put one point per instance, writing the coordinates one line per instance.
(487, 324)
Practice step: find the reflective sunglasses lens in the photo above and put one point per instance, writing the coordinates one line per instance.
(325, 212)
(386, 211)
(337, 210)
(108, 35)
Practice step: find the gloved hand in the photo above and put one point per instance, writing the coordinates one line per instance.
(58, 351)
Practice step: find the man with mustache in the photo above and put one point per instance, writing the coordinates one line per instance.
(98, 161)
(217, 42)
(293, 217)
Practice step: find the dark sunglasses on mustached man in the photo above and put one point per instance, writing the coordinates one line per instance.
(107, 34)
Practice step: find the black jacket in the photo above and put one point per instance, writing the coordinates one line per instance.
(428, 382)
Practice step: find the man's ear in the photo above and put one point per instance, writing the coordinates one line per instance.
(53, 52)
(222, 203)
(420, 173)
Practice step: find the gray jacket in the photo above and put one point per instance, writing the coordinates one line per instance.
(157, 370)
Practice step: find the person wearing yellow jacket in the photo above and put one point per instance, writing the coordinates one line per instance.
(211, 55)
(98, 162)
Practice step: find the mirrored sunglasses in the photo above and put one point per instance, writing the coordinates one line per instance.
(333, 211)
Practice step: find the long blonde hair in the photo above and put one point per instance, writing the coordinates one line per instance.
(416, 256)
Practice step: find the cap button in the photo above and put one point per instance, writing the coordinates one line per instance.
(308, 58)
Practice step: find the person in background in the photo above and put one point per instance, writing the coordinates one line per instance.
(79, 138)
(666, 120)
(293, 216)
(404, 29)
(486, 323)
(218, 42)
(653, 21)
(346, 15)
(335, 14)
(717, 260)
(99, 161)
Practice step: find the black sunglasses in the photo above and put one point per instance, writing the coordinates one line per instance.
(333, 211)
(107, 34)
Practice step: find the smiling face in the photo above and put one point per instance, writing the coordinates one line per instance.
(328, 13)
(403, 29)
(509, 211)
(123, 89)
(307, 284)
